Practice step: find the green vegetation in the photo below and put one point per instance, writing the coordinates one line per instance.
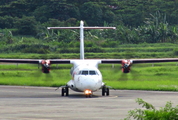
(145, 29)
(161, 76)
(143, 77)
(30, 75)
(23, 24)
(129, 51)
(151, 113)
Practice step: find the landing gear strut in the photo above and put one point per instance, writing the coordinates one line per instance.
(105, 91)
(65, 91)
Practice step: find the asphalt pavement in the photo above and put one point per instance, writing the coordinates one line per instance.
(44, 103)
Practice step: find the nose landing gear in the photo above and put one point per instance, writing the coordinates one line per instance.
(88, 93)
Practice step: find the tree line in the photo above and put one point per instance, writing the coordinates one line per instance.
(137, 21)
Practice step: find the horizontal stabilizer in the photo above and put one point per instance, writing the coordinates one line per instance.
(80, 27)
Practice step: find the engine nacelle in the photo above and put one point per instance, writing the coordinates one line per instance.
(45, 65)
(126, 65)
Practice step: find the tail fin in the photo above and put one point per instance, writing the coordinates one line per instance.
(81, 34)
(82, 40)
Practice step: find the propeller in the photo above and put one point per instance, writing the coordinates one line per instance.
(45, 65)
(44, 73)
(128, 71)
(126, 65)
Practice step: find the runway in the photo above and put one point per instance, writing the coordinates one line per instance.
(44, 103)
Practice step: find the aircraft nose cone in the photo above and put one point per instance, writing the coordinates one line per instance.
(87, 83)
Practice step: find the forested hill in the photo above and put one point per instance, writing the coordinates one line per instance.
(94, 12)
(137, 21)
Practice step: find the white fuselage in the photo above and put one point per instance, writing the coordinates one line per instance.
(85, 76)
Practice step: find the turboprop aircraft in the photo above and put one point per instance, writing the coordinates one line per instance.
(86, 76)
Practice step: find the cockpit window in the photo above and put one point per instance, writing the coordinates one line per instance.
(84, 72)
(92, 72)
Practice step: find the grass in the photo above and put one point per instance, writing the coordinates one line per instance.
(156, 50)
(161, 76)
(33, 78)
(112, 55)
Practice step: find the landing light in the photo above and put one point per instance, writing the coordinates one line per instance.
(87, 92)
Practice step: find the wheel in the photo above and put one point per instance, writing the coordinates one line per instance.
(107, 91)
(62, 92)
(88, 96)
(67, 91)
(103, 91)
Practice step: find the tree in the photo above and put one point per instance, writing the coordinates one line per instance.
(109, 16)
(16, 8)
(6, 22)
(42, 13)
(26, 25)
(3, 2)
(92, 14)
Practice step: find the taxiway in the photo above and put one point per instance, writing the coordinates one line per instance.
(44, 103)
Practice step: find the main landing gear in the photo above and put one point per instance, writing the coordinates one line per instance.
(105, 91)
(65, 91)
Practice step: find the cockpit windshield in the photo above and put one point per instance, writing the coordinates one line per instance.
(88, 72)
(84, 72)
(92, 72)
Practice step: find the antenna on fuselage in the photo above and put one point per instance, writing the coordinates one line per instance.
(81, 34)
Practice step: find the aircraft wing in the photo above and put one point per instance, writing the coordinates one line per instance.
(60, 61)
(32, 61)
(104, 61)
(35, 61)
(154, 60)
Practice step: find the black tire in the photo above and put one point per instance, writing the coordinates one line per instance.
(107, 91)
(90, 95)
(62, 92)
(103, 91)
(67, 91)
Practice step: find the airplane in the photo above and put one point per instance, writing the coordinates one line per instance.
(86, 77)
